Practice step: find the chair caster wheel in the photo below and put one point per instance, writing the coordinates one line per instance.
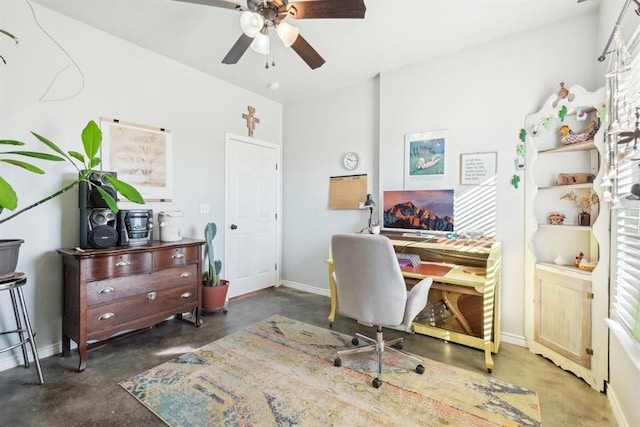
(399, 345)
(420, 369)
(337, 362)
(489, 370)
(376, 383)
(355, 341)
(225, 311)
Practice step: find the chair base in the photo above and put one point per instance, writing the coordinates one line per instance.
(379, 345)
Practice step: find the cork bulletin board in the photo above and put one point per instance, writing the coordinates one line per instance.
(347, 192)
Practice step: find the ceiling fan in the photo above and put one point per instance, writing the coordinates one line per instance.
(261, 16)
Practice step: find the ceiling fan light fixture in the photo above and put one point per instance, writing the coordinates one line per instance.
(261, 43)
(287, 33)
(251, 23)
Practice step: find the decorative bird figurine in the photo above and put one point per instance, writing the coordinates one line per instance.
(569, 137)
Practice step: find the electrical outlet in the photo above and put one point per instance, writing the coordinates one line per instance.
(204, 208)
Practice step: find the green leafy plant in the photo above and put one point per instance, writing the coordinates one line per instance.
(212, 275)
(11, 36)
(91, 140)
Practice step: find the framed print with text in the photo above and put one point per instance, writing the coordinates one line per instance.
(478, 168)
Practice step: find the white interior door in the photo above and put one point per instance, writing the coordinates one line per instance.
(251, 222)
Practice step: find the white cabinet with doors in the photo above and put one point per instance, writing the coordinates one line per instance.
(566, 304)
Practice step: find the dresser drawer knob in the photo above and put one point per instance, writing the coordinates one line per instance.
(185, 274)
(177, 255)
(186, 295)
(106, 290)
(122, 263)
(106, 316)
(151, 296)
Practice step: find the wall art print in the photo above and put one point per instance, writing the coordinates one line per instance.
(141, 155)
(425, 157)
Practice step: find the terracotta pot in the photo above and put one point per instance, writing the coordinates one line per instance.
(9, 251)
(214, 297)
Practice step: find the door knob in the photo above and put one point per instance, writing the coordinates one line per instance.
(233, 226)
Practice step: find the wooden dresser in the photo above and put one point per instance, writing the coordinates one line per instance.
(110, 292)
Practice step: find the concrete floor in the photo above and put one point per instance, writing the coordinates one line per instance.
(93, 397)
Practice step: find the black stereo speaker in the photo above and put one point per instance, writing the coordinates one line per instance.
(89, 196)
(98, 228)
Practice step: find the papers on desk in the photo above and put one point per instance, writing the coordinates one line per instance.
(406, 260)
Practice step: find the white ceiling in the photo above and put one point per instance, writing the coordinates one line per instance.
(393, 33)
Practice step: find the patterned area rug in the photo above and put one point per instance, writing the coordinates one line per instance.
(279, 372)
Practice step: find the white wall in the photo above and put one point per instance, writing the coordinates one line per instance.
(319, 131)
(480, 96)
(121, 81)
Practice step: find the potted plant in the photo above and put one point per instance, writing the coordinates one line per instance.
(584, 203)
(91, 140)
(214, 289)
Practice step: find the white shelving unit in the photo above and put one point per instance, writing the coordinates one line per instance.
(565, 306)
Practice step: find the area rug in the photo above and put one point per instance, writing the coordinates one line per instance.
(279, 372)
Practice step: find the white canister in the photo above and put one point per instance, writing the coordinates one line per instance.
(170, 223)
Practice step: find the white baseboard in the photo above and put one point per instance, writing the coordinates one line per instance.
(514, 339)
(504, 337)
(306, 288)
(13, 358)
(615, 407)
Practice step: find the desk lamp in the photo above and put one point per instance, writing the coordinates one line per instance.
(369, 203)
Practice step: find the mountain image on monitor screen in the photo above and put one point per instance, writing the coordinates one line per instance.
(435, 214)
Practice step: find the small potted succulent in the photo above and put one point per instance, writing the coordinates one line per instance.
(214, 289)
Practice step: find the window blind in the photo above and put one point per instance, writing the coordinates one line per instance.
(623, 81)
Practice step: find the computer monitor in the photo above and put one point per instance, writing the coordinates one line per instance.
(415, 211)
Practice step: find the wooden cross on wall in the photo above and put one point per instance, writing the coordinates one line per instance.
(251, 120)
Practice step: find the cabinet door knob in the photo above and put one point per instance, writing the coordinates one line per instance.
(186, 295)
(234, 227)
(106, 290)
(106, 316)
(186, 274)
(177, 255)
(122, 263)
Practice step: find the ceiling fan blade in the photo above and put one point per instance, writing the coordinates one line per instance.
(226, 4)
(238, 49)
(307, 53)
(327, 9)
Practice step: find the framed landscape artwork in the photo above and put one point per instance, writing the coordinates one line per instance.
(425, 157)
(141, 155)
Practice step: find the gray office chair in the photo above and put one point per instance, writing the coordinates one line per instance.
(371, 290)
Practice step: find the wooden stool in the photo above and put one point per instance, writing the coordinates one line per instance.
(14, 285)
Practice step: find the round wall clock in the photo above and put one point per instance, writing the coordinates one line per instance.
(351, 160)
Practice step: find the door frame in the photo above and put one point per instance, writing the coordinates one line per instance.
(231, 138)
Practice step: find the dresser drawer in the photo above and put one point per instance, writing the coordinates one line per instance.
(119, 288)
(117, 265)
(111, 316)
(175, 257)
